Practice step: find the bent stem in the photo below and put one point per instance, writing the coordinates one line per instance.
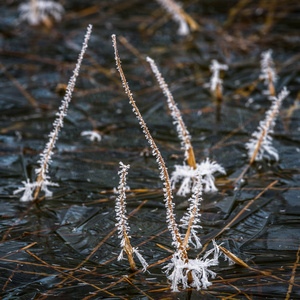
(183, 133)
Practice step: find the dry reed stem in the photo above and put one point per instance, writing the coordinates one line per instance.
(58, 123)
(164, 173)
(175, 112)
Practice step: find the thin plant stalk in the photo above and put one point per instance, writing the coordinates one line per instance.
(175, 112)
(58, 123)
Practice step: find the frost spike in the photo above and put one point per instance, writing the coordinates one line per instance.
(182, 131)
(261, 139)
(45, 157)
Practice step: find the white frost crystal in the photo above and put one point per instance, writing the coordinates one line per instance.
(185, 173)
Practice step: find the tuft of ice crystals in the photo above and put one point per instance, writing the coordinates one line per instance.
(187, 174)
(92, 135)
(215, 79)
(35, 12)
(174, 10)
(193, 213)
(182, 131)
(261, 141)
(177, 270)
(45, 157)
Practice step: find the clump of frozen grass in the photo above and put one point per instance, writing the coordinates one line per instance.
(122, 225)
(260, 145)
(43, 181)
(187, 174)
(268, 73)
(178, 271)
(215, 80)
(187, 272)
(182, 131)
(92, 135)
(176, 12)
(36, 12)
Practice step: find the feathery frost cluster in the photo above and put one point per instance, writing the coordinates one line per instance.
(186, 173)
(193, 214)
(261, 141)
(183, 133)
(215, 79)
(267, 69)
(37, 11)
(45, 156)
(174, 10)
(177, 270)
(92, 135)
(120, 208)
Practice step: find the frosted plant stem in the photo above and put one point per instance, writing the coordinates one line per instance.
(122, 224)
(268, 72)
(194, 209)
(58, 123)
(182, 131)
(177, 241)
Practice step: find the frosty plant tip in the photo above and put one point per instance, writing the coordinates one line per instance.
(42, 182)
(36, 12)
(122, 225)
(268, 73)
(187, 272)
(260, 145)
(215, 80)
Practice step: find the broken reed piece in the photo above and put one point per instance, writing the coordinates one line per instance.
(122, 225)
(238, 261)
(42, 180)
(184, 20)
(215, 80)
(268, 73)
(182, 131)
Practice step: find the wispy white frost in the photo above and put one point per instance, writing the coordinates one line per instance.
(177, 270)
(174, 10)
(261, 141)
(92, 135)
(187, 175)
(36, 11)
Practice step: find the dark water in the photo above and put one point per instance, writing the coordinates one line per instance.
(76, 226)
